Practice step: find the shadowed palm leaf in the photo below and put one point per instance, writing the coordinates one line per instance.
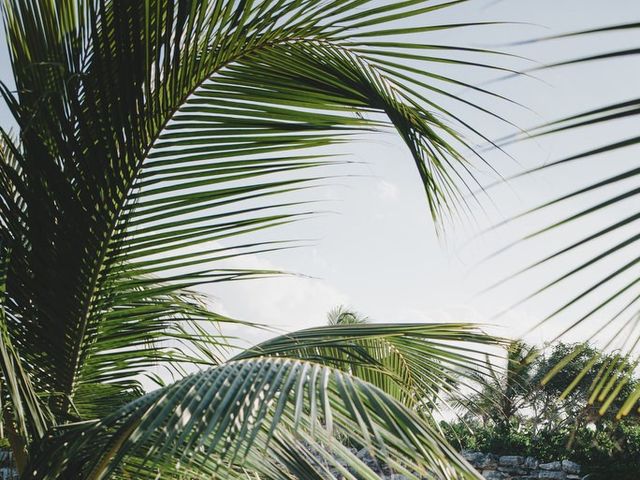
(238, 414)
(148, 131)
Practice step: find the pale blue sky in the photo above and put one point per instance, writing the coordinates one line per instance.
(380, 254)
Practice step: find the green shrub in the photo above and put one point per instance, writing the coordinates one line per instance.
(610, 451)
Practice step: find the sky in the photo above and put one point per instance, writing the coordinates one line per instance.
(376, 249)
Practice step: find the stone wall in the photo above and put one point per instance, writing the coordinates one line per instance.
(513, 467)
(492, 467)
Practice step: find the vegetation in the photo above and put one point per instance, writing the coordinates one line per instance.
(150, 136)
(499, 396)
(541, 423)
(608, 297)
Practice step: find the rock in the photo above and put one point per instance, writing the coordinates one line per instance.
(551, 466)
(552, 474)
(363, 453)
(513, 470)
(516, 467)
(570, 467)
(494, 475)
(373, 463)
(490, 462)
(474, 458)
(511, 460)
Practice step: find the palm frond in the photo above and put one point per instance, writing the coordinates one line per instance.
(273, 417)
(417, 364)
(146, 129)
(609, 297)
(28, 418)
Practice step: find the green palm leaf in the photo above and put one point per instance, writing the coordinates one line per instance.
(619, 326)
(244, 414)
(417, 364)
(145, 126)
(150, 135)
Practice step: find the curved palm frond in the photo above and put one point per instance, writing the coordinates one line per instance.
(615, 309)
(414, 363)
(271, 417)
(27, 417)
(146, 127)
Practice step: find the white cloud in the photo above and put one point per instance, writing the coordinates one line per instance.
(283, 303)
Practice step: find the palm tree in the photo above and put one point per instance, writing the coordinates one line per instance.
(146, 132)
(499, 396)
(342, 315)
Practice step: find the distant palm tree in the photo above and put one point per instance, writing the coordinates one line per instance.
(500, 395)
(145, 129)
(345, 316)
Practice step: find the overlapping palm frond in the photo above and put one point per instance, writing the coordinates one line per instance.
(143, 119)
(150, 131)
(616, 309)
(271, 417)
(417, 364)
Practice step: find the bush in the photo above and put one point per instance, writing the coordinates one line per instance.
(611, 451)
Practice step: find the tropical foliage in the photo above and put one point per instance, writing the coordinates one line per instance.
(545, 425)
(607, 294)
(149, 136)
(501, 393)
